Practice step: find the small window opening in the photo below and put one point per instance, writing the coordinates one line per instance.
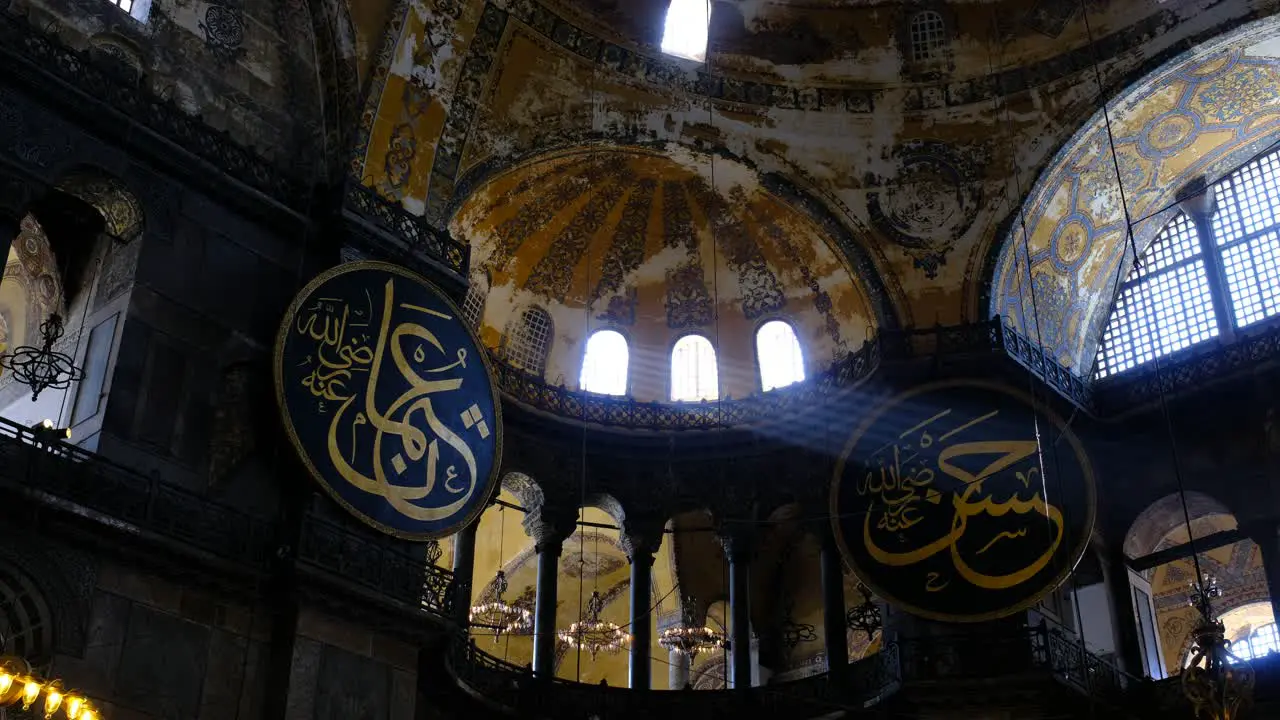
(685, 34)
(604, 365)
(928, 36)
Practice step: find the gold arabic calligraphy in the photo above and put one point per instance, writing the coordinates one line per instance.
(343, 351)
(902, 488)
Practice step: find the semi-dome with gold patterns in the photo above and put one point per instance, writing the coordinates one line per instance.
(648, 244)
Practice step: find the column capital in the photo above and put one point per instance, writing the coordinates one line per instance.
(641, 536)
(739, 542)
(1197, 198)
(549, 526)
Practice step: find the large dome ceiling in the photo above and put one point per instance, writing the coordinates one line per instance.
(643, 240)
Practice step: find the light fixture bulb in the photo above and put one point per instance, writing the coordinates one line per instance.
(74, 706)
(30, 691)
(87, 714)
(47, 424)
(52, 701)
(6, 682)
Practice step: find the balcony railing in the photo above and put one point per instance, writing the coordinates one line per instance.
(517, 691)
(124, 500)
(399, 234)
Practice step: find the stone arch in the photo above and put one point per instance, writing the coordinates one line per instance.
(1165, 516)
(121, 211)
(27, 624)
(1075, 244)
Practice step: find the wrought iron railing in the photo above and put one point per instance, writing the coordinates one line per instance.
(387, 571)
(102, 84)
(398, 233)
(1032, 356)
(516, 690)
(532, 391)
(90, 485)
(1034, 649)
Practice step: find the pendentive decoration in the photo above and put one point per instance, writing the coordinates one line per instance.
(389, 400)
(43, 368)
(690, 638)
(939, 505)
(865, 616)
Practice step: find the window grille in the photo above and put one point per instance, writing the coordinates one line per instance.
(473, 305)
(1247, 232)
(778, 354)
(1164, 306)
(139, 9)
(928, 36)
(604, 364)
(1263, 641)
(528, 342)
(694, 375)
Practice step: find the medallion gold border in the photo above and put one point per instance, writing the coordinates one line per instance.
(278, 371)
(1036, 407)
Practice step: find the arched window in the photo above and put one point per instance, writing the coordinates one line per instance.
(604, 364)
(529, 340)
(928, 36)
(685, 32)
(1262, 641)
(693, 370)
(778, 352)
(473, 304)
(1246, 229)
(1164, 305)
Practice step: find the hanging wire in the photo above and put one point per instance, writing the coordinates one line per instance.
(1137, 265)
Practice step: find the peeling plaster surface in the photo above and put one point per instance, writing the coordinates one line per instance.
(920, 169)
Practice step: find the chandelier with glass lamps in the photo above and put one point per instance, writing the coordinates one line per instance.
(20, 686)
(498, 615)
(689, 638)
(590, 633)
(42, 368)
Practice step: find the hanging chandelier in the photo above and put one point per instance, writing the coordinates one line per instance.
(499, 616)
(865, 616)
(1218, 683)
(688, 638)
(19, 686)
(43, 367)
(593, 634)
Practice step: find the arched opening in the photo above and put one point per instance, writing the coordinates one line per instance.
(604, 364)
(779, 356)
(1130, 187)
(694, 375)
(928, 36)
(528, 340)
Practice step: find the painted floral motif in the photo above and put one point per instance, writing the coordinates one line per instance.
(627, 251)
(1238, 94)
(534, 216)
(553, 274)
(223, 28)
(399, 161)
(688, 302)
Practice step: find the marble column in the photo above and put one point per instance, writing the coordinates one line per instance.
(464, 570)
(738, 548)
(833, 605)
(544, 611)
(1267, 536)
(641, 540)
(678, 671)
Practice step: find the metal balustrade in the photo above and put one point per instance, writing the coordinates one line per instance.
(87, 484)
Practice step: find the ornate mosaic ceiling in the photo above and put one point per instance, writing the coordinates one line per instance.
(642, 239)
(1201, 116)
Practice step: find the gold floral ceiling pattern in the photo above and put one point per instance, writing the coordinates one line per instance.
(643, 241)
(1201, 116)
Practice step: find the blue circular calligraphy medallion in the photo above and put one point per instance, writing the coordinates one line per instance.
(963, 501)
(389, 400)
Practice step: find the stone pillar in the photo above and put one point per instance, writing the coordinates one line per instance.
(548, 527)
(833, 607)
(678, 672)
(641, 540)
(544, 611)
(464, 570)
(738, 548)
(1128, 642)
